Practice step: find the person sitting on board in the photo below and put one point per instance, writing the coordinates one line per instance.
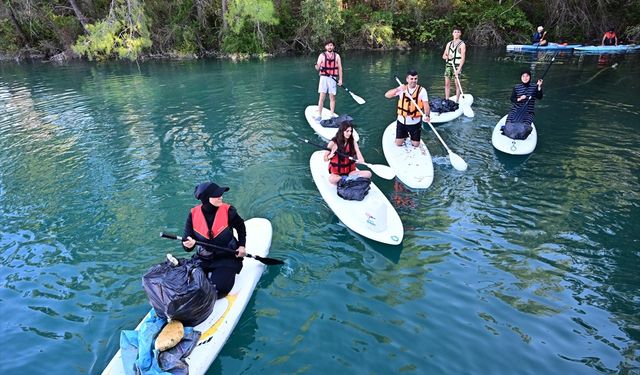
(339, 146)
(610, 38)
(538, 37)
(523, 97)
(409, 120)
(329, 65)
(455, 51)
(213, 222)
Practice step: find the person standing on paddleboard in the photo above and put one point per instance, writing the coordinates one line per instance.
(455, 51)
(409, 120)
(213, 222)
(342, 146)
(523, 97)
(329, 65)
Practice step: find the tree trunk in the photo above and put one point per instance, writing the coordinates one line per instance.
(79, 15)
(21, 35)
(225, 25)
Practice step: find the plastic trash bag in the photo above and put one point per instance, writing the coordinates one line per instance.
(180, 292)
(336, 121)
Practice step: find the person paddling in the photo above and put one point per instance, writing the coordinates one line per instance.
(409, 117)
(610, 38)
(539, 37)
(338, 150)
(213, 222)
(455, 51)
(523, 97)
(329, 65)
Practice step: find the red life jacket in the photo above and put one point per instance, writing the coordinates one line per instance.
(341, 165)
(329, 66)
(609, 38)
(220, 221)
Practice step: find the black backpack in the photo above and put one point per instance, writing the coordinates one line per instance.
(517, 130)
(440, 105)
(353, 189)
(336, 121)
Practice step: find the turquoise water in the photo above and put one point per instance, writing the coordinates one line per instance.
(520, 265)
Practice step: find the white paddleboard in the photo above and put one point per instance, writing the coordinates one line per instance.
(326, 133)
(465, 100)
(413, 165)
(373, 217)
(227, 311)
(513, 146)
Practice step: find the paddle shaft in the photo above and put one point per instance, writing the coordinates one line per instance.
(455, 73)
(268, 261)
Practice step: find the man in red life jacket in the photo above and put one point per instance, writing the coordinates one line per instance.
(329, 65)
(213, 222)
(610, 38)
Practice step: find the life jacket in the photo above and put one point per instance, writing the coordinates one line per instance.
(329, 66)
(342, 165)
(609, 38)
(453, 50)
(220, 234)
(406, 107)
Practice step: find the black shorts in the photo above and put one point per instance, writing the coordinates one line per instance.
(403, 131)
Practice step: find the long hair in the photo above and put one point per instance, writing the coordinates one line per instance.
(341, 141)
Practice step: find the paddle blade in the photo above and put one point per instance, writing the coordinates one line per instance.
(467, 111)
(267, 261)
(358, 99)
(383, 171)
(457, 162)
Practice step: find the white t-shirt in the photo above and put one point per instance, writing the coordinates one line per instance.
(421, 96)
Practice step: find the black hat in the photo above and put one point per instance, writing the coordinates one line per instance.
(209, 189)
(527, 71)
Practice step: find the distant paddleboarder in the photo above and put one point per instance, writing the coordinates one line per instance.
(329, 65)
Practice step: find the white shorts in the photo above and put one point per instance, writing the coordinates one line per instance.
(327, 84)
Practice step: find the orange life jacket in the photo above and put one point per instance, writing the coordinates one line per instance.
(341, 165)
(406, 107)
(329, 66)
(220, 221)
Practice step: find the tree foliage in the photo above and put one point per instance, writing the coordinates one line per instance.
(103, 29)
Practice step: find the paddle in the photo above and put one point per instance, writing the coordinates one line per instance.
(355, 97)
(466, 109)
(381, 170)
(456, 161)
(518, 116)
(267, 261)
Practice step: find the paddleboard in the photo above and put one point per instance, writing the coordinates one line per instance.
(438, 118)
(326, 133)
(413, 165)
(532, 48)
(373, 217)
(227, 311)
(608, 49)
(513, 146)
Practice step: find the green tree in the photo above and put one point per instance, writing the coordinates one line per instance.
(248, 22)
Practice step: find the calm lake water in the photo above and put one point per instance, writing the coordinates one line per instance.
(520, 265)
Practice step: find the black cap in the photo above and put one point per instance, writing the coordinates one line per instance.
(209, 189)
(527, 71)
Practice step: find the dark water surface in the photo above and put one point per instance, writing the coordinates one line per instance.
(525, 265)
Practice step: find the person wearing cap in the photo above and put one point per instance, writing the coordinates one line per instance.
(523, 97)
(455, 51)
(213, 222)
(610, 38)
(329, 66)
(538, 37)
(409, 119)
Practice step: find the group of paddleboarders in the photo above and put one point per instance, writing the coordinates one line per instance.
(608, 39)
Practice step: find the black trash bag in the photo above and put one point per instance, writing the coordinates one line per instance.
(180, 292)
(440, 105)
(336, 121)
(353, 189)
(517, 130)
